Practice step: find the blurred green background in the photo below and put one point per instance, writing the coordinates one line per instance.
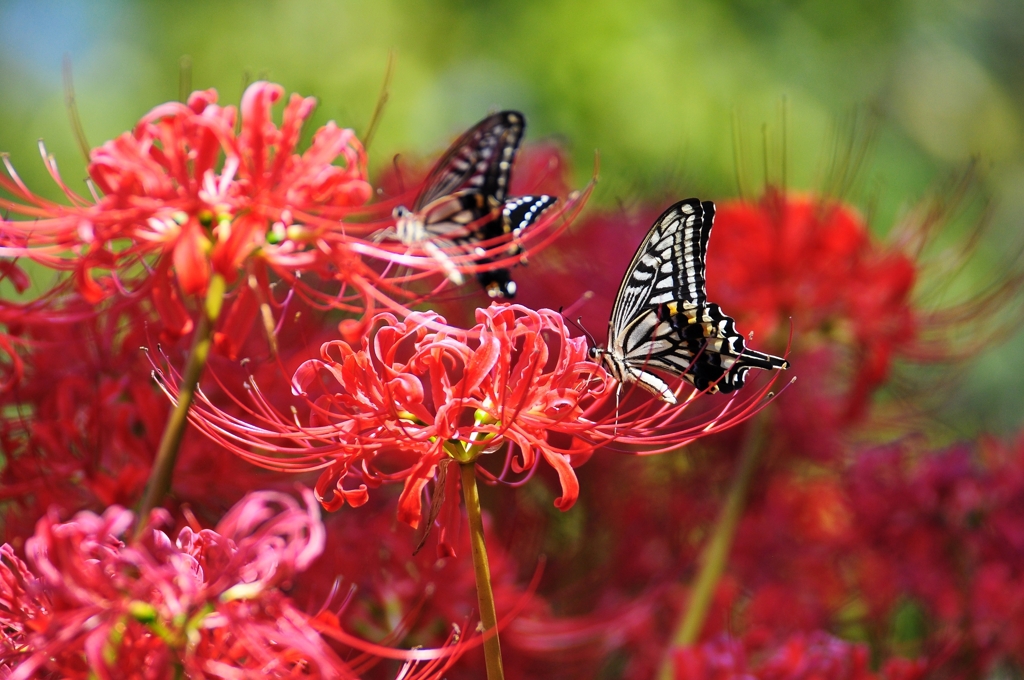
(662, 89)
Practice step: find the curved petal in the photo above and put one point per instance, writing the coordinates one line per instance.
(566, 477)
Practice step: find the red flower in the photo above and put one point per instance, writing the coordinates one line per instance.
(813, 261)
(419, 393)
(189, 198)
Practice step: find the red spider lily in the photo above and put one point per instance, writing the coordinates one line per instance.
(961, 550)
(813, 260)
(184, 198)
(418, 393)
(918, 552)
(854, 304)
(209, 604)
(87, 603)
(927, 543)
(800, 657)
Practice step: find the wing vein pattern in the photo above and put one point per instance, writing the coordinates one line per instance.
(662, 319)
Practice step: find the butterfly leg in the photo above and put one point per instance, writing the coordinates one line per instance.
(388, 233)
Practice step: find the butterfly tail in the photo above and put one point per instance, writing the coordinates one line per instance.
(755, 359)
(734, 378)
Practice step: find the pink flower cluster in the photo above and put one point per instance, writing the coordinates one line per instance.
(209, 603)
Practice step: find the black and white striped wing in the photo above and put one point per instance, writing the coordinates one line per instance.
(722, 358)
(521, 212)
(480, 160)
(668, 266)
(662, 319)
(518, 215)
(465, 198)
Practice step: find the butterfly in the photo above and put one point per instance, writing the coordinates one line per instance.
(662, 319)
(464, 205)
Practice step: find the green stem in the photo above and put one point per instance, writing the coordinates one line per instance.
(167, 454)
(488, 617)
(716, 552)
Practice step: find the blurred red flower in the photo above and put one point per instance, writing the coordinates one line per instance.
(813, 261)
(813, 656)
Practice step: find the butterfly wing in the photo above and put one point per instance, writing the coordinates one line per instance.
(662, 318)
(521, 212)
(668, 266)
(721, 360)
(463, 200)
(518, 215)
(480, 160)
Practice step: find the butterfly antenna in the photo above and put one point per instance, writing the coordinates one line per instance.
(578, 323)
(590, 336)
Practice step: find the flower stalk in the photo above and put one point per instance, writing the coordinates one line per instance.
(482, 570)
(167, 454)
(716, 553)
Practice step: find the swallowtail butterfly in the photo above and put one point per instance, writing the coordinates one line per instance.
(662, 319)
(464, 201)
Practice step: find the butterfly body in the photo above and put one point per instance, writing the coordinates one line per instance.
(662, 320)
(463, 206)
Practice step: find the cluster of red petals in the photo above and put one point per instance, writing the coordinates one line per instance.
(209, 603)
(812, 263)
(184, 197)
(416, 393)
(811, 656)
(947, 534)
